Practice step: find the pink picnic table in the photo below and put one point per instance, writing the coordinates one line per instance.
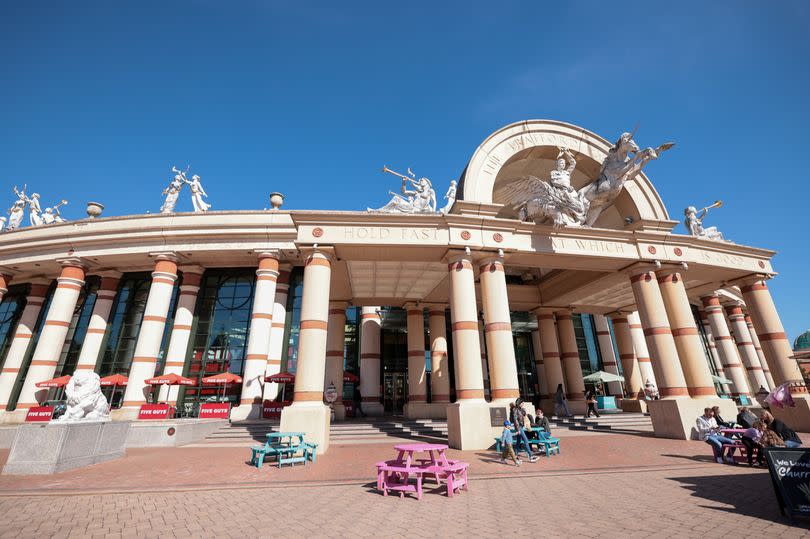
(436, 452)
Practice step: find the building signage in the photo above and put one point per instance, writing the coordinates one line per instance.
(215, 410)
(388, 233)
(39, 413)
(497, 416)
(273, 409)
(154, 411)
(790, 473)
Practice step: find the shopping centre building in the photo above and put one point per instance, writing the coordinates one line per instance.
(440, 315)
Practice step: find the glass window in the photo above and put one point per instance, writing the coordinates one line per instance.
(351, 349)
(589, 357)
(78, 327)
(125, 324)
(10, 310)
(289, 354)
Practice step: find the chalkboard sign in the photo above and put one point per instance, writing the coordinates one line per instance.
(497, 416)
(790, 472)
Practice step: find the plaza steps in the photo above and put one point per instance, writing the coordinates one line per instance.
(621, 423)
(358, 431)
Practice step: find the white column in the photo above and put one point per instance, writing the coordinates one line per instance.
(52, 336)
(177, 351)
(707, 330)
(335, 344)
(261, 321)
(276, 343)
(760, 353)
(439, 368)
(370, 360)
(539, 365)
(732, 366)
(640, 348)
(22, 339)
(503, 377)
(608, 353)
(417, 378)
(97, 328)
(150, 336)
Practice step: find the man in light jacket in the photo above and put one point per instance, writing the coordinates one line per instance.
(709, 432)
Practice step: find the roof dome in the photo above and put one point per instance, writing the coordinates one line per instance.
(802, 342)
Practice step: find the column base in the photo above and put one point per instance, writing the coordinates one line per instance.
(469, 426)
(313, 419)
(577, 407)
(340, 412)
(634, 405)
(13, 417)
(246, 411)
(424, 410)
(374, 409)
(797, 417)
(125, 414)
(675, 418)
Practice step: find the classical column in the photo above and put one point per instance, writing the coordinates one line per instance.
(503, 379)
(707, 329)
(482, 343)
(150, 337)
(370, 360)
(640, 347)
(608, 353)
(261, 320)
(177, 351)
(21, 339)
(633, 381)
(52, 336)
(551, 354)
(729, 357)
(335, 343)
(745, 347)
(758, 347)
(658, 335)
(569, 353)
(685, 333)
(539, 365)
(468, 419)
(439, 368)
(307, 413)
(276, 343)
(97, 328)
(417, 380)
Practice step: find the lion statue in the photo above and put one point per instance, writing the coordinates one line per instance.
(84, 398)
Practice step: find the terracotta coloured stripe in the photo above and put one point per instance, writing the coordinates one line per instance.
(603, 333)
(732, 365)
(59, 323)
(262, 357)
(277, 325)
(22, 335)
(609, 363)
(152, 318)
(550, 355)
(635, 326)
(578, 396)
(334, 353)
(274, 362)
(181, 327)
(416, 353)
(44, 363)
(745, 343)
(753, 287)
(175, 363)
(85, 367)
(673, 391)
(313, 324)
(754, 368)
(710, 300)
(563, 316)
(773, 336)
(369, 355)
(435, 313)
(11, 370)
(137, 359)
(491, 267)
(263, 316)
(620, 320)
(645, 276)
(441, 398)
(318, 262)
(307, 396)
(702, 392)
(254, 400)
(469, 393)
(133, 404)
(415, 312)
(337, 311)
(266, 278)
(545, 317)
(505, 393)
(570, 355)
(723, 338)
(657, 331)
(460, 326)
(460, 265)
(369, 315)
(679, 332)
(644, 360)
(627, 356)
(498, 326)
(96, 331)
(417, 398)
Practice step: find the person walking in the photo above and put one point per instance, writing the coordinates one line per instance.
(518, 416)
(358, 400)
(590, 400)
(506, 444)
(560, 402)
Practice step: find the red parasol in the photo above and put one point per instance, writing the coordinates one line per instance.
(280, 378)
(224, 378)
(56, 382)
(170, 380)
(114, 380)
(349, 377)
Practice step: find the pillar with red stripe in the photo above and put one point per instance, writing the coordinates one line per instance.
(181, 329)
(696, 369)
(52, 336)
(261, 321)
(276, 348)
(439, 366)
(569, 353)
(21, 339)
(335, 343)
(552, 365)
(153, 323)
(464, 319)
(658, 335)
(729, 356)
(633, 383)
(758, 348)
(97, 327)
(539, 365)
(641, 350)
(370, 360)
(503, 379)
(417, 379)
(745, 347)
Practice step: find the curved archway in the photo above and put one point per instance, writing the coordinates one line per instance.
(529, 147)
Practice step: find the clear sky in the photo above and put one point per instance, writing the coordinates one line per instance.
(99, 99)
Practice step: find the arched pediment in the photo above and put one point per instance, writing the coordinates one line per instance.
(530, 148)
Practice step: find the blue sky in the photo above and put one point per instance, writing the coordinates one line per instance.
(99, 99)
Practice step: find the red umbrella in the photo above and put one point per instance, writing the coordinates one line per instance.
(114, 380)
(170, 380)
(349, 377)
(224, 378)
(56, 382)
(280, 378)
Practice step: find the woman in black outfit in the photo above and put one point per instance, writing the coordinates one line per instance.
(590, 399)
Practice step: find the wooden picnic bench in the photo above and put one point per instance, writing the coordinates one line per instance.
(395, 474)
(549, 444)
(284, 446)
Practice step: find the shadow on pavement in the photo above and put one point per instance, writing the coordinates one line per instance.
(749, 494)
(694, 458)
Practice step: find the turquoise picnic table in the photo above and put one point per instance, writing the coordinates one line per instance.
(284, 446)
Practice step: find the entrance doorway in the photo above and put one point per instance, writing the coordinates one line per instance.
(395, 391)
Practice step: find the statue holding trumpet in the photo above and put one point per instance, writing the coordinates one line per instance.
(693, 221)
(418, 196)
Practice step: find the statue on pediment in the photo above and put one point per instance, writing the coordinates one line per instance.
(418, 196)
(693, 221)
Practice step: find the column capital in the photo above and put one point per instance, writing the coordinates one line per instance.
(641, 268)
(338, 305)
(435, 308)
(170, 256)
(490, 263)
(108, 274)
(192, 268)
(72, 262)
(413, 306)
(543, 312)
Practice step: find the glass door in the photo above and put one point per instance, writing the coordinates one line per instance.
(395, 390)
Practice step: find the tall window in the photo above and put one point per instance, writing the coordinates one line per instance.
(10, 310)
(589, 356)
(221, 333)
(351, 348)
(289, 359)
(125, 324)
(78, 327)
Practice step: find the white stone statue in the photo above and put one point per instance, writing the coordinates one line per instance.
(52, 215)
(172, 192)
(421, 198)
(85, 401)
(34, 210)
(2, 223)
(197, 194)
(694, 223)
(556, 200)
(450, 197)
(17, 210)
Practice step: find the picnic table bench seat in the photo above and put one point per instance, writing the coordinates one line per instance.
(397, 479)
(549, 444)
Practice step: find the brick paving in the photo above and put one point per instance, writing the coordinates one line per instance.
(606, 486)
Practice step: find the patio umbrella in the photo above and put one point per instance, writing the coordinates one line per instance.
(170, 379)
(114, 380)
(224, 378)
(602, 376)
(349, 377)
(56, 382)
(721, 380)
(281, 378)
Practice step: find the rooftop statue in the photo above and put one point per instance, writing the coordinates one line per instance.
(52, 215)
(420, 198)
(556, 200)
(450, 197)
(34, 210)
(172, 192)
(85, 401)
(17, 210)
(197, 194)
(694, 223)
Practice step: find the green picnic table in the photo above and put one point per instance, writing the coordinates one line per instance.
(284, 446)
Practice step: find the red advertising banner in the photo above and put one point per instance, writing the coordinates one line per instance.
(273, 409)
(215, 410)
(39, 413)
(154, 411)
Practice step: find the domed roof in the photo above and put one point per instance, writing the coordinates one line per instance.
(802, 342)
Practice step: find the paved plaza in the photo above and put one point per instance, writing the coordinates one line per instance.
(600, 486)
